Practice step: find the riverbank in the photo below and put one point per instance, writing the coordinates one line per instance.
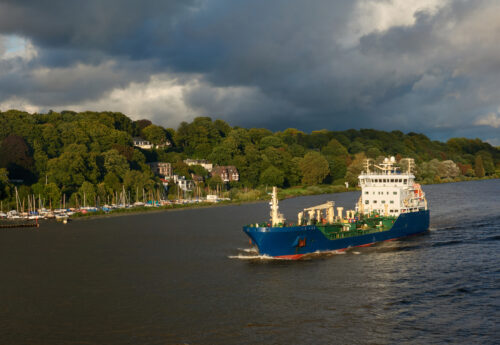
(241, 197)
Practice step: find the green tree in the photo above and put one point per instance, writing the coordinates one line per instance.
(356, 147)
(256, 134)
(223, 128)
(67, 170)
(4, 184)
(135, 181)
(198, 170)
(334, 149)
(201, 131)
(102, 193)
(16, 157)
(115, 163)
(293, 174)
(53, 194)
(112, 183)
(373, 152)
(182, 169)
(337, 167)
(314, 168)
(87, 194)
(155, 134)
(488, 164)
(173, 191)
(140, 125)
(272, 176)
(271, 141)
(355, 169)
(223, 153)
(214, 181)
(478, 166)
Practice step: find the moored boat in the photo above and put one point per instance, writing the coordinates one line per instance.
(391, 206)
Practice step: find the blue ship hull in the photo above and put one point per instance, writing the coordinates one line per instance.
(294, 241)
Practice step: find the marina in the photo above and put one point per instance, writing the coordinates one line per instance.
(20, 217)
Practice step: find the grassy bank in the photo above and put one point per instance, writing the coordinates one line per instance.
(140, 210)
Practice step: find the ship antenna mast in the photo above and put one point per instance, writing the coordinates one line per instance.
(367, 165)
(411, 165)
(276, 217)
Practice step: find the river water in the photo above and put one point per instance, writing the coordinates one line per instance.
(188, 277)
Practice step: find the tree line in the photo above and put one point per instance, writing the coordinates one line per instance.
(92, 154)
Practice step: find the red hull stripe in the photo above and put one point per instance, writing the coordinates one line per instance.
(290, 257)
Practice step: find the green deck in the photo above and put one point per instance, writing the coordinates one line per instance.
(361, 227)
(366, 225)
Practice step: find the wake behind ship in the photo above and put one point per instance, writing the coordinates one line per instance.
(391, 206)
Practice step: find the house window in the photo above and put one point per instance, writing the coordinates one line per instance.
(383, 201)
(374, 201)
(367, 202)
(392, 180)
(392, 201)
(404, 181)
(367, 192)
(395, 193)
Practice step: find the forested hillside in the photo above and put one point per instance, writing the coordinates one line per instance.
(71, 153)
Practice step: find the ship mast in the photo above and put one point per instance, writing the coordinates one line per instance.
(276, 217)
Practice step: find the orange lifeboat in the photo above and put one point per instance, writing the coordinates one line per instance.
(417, 190)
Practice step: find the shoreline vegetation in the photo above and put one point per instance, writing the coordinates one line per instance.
(69, 160)
(283, 194)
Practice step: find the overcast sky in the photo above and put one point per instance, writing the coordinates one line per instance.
(430, 66)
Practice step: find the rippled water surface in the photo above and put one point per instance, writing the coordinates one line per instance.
(190, 277)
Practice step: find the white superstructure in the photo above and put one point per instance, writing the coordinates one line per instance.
(388, 191)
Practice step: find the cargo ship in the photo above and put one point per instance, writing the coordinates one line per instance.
(391, 206)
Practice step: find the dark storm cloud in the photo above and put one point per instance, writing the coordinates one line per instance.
(268, 63)
(114, 26)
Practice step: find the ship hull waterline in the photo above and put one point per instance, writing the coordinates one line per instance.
(293, 242)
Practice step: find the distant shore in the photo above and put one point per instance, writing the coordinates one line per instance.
(180, 207)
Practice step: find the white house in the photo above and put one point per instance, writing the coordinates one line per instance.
(203, 162)
(142, 143)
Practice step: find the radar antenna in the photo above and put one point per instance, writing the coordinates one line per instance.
(367, 165)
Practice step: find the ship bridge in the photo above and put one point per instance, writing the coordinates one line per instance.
(387, 190)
